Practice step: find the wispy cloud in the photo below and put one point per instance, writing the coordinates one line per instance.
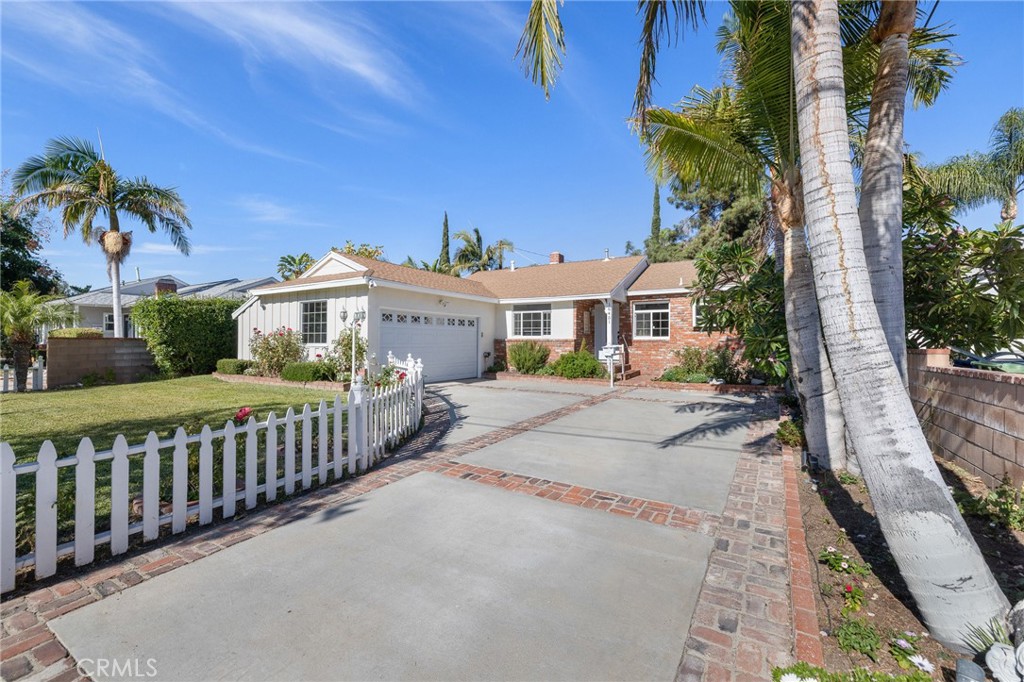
(158, 249)
(309, 38)
(87, 53)
(262, 209)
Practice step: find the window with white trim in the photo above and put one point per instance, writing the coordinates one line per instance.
(650, 320)
(108, 324)
(531, 320)
(314, 322)
(698, 314)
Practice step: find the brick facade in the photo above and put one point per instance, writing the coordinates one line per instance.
(650, 356)
(653, 356)
(69, 360)
(972, 417)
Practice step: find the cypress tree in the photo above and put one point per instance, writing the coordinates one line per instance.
(656, 217)
(446, 259)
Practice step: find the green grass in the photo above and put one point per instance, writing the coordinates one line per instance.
(102, 412)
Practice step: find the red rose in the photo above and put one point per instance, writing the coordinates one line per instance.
(849, 588)
(242, 414)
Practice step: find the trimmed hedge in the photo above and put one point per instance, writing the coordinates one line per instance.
(306, 371)
(186, 335)
(77, 333)
(233, 366)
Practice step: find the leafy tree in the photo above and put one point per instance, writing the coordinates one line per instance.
(21, 240)
(290, 267)
(996, 175)
(364, 250)
(71, 176)
(22, 312)
(743, 292)
(717, 217)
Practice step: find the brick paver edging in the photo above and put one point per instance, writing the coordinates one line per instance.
(806, 629)
(742, 625)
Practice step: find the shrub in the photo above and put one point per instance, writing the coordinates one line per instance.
(272, 351)
(858, 635)
(186, 335)
(341, 355)
(806, 671)
(496, 366)
(233, 366)
(678, 374)
(528, 356)
(306, 371)
(76, 333)
(791, 433)
(697, 365)
(578, 365)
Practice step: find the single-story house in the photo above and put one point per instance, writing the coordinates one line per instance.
(95, 308)
(460, 326)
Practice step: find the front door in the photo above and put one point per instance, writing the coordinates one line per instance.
(601, 326)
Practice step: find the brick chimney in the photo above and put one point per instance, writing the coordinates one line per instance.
(556, 257)
(165, 286)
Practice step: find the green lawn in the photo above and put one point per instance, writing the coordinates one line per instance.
(102, 412)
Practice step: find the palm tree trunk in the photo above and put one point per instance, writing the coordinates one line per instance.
(1008, 213)
(22, 359)
(115, 282)
(881, 202)
(824, 424)
(936, 554)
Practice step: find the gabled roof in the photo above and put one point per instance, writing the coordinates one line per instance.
(559, 280)
(664, 277)
(386, 272)
(228, 288)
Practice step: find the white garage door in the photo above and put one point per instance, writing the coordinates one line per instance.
(447, 344)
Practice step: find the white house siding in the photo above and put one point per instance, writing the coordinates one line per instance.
(385, 298)
(563, 318)
(274, 310)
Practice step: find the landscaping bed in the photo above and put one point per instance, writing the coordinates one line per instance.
(838, 514)
(337, 386)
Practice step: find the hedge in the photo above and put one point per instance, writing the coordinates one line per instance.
(186, 335)
(233, 366)
(306, 371)
(76, 333)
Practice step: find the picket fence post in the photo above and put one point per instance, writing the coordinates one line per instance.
(7, 378)
(321, 449)
(8, 514)
(271, 462)
(119, 497)
(339, 460)
(205, 476)
(179, 482)
(150, 489)
(251, 460)
(355, 407)
(85, 504)
(229, 472)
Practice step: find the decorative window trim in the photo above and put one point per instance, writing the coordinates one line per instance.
(537, 319)
(317, 336)
(651, 311)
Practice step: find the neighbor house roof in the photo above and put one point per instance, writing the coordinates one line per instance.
(101, 297)
(225, 288)
(556, 280)
(666, 277)
(389, 272)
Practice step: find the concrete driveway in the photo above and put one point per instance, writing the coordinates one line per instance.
(438, 577)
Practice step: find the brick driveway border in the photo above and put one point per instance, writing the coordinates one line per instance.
(742, 626)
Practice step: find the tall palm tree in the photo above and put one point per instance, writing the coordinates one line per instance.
(22, 312)
(936, 554)
(997, 175)
(73, 177)
(290, 267)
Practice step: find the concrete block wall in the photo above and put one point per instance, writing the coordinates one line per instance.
(69, 360)
(974, 418)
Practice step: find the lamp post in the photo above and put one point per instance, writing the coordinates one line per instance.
(357, 319)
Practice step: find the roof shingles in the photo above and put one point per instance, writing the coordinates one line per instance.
(579, 278)
(666, 277)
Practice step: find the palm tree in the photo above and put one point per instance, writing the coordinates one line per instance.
(71, 176)
(290, 267)
(997, 175)
(473, 256)
(22, 312)
(936, 554)
(435, 266)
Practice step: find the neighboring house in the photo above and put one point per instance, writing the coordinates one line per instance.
(459, 326)
(96, 308)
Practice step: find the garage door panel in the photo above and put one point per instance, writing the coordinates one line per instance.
(447, 344)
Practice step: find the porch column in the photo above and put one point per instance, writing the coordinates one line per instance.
(609, 308)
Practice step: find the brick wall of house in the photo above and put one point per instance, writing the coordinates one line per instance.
(556, 346)
(972, 417)
(653, 356)
(584, 325)
(69, 360)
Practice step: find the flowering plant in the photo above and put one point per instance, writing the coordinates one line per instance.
(841, 563)
(242, 416)
(275, 349)
(854, 597)
(903, 647)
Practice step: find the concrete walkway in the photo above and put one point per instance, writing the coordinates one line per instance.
(547, 534)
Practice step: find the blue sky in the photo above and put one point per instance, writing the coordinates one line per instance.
(294, 127)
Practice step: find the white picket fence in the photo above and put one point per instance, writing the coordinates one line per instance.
(363, 429)
(34, 380)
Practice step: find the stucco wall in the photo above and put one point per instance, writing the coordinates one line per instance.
(285, 310)
(69, 360)
(974, 418)
(562, 321)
